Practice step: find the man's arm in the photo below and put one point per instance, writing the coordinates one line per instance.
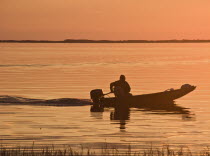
(128, 87)
(111, 86)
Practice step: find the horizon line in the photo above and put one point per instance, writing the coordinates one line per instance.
(107, 41)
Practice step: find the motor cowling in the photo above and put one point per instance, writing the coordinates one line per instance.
(96, 94)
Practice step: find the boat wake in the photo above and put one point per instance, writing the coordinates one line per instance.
(16, 100)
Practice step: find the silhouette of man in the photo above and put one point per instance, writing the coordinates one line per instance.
(121, 87)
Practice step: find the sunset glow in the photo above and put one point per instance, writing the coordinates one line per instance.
(104, 19)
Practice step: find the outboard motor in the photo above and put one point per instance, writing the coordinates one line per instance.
(95, 96)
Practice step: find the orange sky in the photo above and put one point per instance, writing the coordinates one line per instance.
(104, 19)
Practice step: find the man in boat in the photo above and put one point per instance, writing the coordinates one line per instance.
(120, 88)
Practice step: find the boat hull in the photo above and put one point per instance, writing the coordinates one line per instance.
(147, 99)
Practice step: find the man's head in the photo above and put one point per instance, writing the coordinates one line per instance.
(122, 77)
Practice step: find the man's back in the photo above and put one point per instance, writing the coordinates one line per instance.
(122, 84)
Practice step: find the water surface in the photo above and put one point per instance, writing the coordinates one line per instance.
(51, 71)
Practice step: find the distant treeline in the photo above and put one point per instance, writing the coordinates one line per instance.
(104, 41)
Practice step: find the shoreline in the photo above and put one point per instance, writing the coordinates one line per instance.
(105, 150)
(104, 41)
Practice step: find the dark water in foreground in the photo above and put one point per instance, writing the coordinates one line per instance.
(52, 71)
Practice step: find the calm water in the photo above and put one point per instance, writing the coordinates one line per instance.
(50, 71)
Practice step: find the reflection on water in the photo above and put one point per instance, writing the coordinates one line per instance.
(168, 108)
(121, 115)
(97, 115)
